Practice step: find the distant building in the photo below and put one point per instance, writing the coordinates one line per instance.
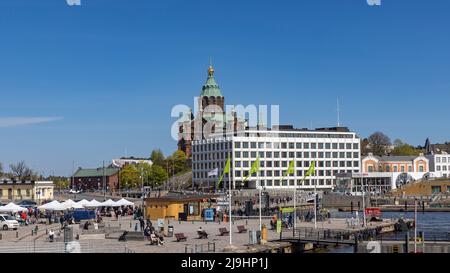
(440, 163)
(334, 150)
(96, 179)
(212, 112)
(121, 162)
(394, 164)
(17, 190)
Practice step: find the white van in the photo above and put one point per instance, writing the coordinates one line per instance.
(8, 222)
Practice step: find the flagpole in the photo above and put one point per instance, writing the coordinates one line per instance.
(315, 197)
(260, 211)
(229, 199)
(415, 225)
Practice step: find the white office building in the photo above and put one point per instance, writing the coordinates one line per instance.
(334, 150)
(440, 164)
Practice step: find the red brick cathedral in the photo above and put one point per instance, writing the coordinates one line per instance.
(211, 116)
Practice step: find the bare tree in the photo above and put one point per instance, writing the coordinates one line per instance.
(21, 171)
(1, 169)
(379, 143)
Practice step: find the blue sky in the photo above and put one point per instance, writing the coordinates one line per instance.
(101, 78)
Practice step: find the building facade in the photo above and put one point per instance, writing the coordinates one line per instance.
(440, 164)
(121, 162)
(15, 190)
(334, 150)
(96, 179)
(395, 164)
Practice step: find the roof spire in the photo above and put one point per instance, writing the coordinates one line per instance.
(210, 69)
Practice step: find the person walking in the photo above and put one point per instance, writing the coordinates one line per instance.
(142, 223)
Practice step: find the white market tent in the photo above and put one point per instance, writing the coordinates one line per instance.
(68, 203)
(54, 205)
(11, 207)
(124, 202)
(93, 204)
(83, 202)
(77, 206)
(110, 203)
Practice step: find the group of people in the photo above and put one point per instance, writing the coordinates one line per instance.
(152, 235)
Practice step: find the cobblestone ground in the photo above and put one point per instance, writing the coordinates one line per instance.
(22, 238)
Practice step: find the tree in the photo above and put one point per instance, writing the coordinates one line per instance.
(379, 143)
(177, 161)
(144, 170)
(157, 157)
(398, 142)
(158, 176)
(405, 149)
(59, 181)
(21, 171)
(129, 176)
(1, 169)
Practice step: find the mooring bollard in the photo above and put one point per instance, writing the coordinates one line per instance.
(17, 234)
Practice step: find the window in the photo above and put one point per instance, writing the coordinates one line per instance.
(253, 154)
(444, 160)
(291, 145)
(335, 146)
(298, 145)
(438, 168)
(245, 145)
(341, 146)
(370, 169)
(320, 145)
(245, 154)
(299, 154)
(313, 146)
(349, 146)
(421, 169)
(268, 154)
(299, 163)
(409, 169)
(355, 146)
(436, 189)
(327, 146)
(237, 154)
(438, 160)
(253, 145)
(388, 169)
(402, 169)
(269, 145)
(305, 145)
(306, 154)
(395, 169)
(283, 145)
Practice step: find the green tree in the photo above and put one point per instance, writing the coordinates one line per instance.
(158, 176)
(144, 170)
(129, 177)
(60, 182)
(398, 142)
(157, 157)
(177, 161)
(405, 149)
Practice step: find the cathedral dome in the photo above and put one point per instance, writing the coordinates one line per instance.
(211, 88)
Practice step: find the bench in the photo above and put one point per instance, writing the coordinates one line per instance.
(180, 237)
(202, 234)
(223, 231)
(241, 229)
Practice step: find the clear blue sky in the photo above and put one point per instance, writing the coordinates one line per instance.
(92, 81)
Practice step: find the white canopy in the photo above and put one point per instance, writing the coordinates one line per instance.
(77, 206)
(110, 203)
(11, 207)
(54, 205)
(93, 204)
(68, 203)
(124, 202)
(83, 202)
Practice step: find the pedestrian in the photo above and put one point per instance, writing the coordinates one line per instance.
(142, 223)
(136, 227)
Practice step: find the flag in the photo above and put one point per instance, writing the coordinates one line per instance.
(214, 172)
(310, 171)
(253, 169)
(290, 170)
(226, 170)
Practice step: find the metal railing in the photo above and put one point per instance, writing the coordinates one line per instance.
(62, 247)
(200, 248)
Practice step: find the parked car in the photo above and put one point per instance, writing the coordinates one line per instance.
(27, 204)
(74, 191)
(8, 222)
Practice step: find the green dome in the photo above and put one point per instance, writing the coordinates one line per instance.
(211, 88)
